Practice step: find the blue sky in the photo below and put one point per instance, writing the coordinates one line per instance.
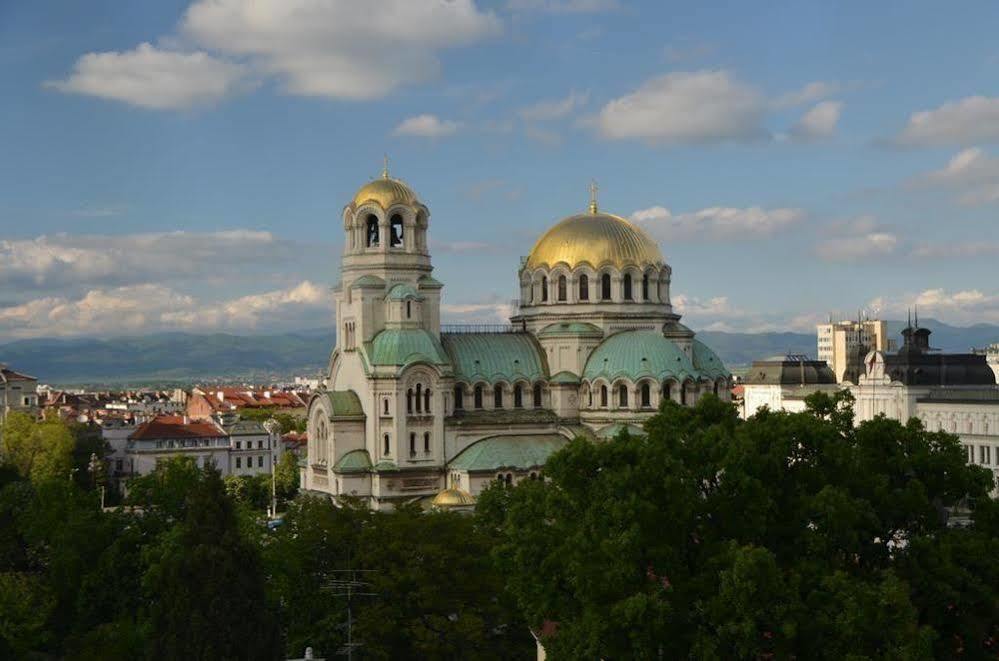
(182, 165)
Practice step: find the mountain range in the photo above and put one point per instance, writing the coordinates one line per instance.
(166, 358)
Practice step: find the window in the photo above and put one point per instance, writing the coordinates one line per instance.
(622, 396)
(544, 289)
(239, 462)
(396, 231)
(646, 396)
(412, 444)
(426, 442)
(409, 401)
(478, 397)
(603, 396)
(118, 464)
(387, 447)
(385, 407)
(372, 232)
(605, 287)
(716, 389)
(518, 397)
(426, 400)
(498, 396)
(239, 445)
(459, 398)
(627, 286)
(683, 394)
(645, 287)
(260, 461)
(584, 288)
(537, 395)
(419, 397)
(409, 309)
(561, 288)
(509, 479)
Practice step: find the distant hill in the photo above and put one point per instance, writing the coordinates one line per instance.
(186, 357)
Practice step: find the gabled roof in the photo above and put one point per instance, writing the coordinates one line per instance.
(7, 374)
(404, 346)
(172, 426)
(515, 452)
(495, 357)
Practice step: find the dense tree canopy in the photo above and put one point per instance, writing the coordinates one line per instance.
(785, 535)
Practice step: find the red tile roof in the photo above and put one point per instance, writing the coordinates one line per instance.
(173, 426)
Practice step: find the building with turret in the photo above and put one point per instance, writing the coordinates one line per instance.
(410, 410)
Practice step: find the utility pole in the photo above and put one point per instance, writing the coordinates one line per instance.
(273, 428)
(347, 583)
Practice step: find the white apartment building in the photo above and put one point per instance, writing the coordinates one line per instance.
(842, 342)
(18, 392)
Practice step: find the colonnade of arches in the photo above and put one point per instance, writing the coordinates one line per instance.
(500, 395)
(647, 394)
(587, 285)
(371, 229)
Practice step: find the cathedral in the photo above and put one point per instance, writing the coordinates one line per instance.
(409, 410)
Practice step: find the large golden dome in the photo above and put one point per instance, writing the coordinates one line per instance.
(385, 192)
(597, 239)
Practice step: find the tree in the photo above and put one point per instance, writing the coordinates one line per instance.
(39, 450)
(784, 535)
(205, 585)
(286, 476)
(87, 442)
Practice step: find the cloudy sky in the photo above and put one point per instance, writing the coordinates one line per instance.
(182, 164)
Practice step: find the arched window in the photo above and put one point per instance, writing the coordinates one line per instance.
(627, 286)
(646, 396)
(426, 400)
(412, 444)
(622, 396)
(561, 288)
(645, 287)
(478, 397)
(603, 396)
(409, 401)
(372, 231)
(544, 289)
(388, 447)
(386, 406)
(498, 396)
(605, 287)
(537, 395)
(409, 309)
(683, 393)
(419, 395)
(509, 479)
(395, 231)
(426, 442)
(590, 393)
(459, 398)
(667, 394)
(584, 288)
(518, 397)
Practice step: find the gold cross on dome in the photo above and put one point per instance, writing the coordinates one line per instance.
(593, 196)
(385, 167)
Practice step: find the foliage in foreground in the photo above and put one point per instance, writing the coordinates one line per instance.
(787, 535)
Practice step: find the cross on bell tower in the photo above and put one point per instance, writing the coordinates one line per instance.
(593, 196)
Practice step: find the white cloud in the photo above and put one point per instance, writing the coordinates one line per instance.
(962, 307)
(156, 79)
(719, 223)
(555, 108)
(862, 246)
(87, 260)
(962, 250)
(493, 312)
(153, 307)
(972, 174)
(810, 93)
(345, 49)
(971, 120)
(819, 122)
(563, 6)
(686, 108)
(427, 126)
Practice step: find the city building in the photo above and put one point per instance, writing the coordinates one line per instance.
(18, 392)
(408, 408)
(991, 354)
(207, 403)
(782, 383)
(253, 449)
(843, 345)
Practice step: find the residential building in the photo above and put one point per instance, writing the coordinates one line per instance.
(253, 449)
(168, 436)
(408, 408)
(843, 344)
(18, 392)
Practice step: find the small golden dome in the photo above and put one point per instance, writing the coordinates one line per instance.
(385, 192)
(597, 239)
(454, 497)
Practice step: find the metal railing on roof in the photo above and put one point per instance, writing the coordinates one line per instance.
(481, 328)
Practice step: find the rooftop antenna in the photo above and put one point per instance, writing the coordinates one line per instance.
(916, 307)
(909, 322)
(593, 196)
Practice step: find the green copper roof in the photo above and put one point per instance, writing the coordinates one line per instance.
(401, 292)
(401, 347)
(518, 452)
(355, 461)
(611, 431)
(345, 403)
(708, 363)
(574, 328)
(495, 356)
(638, 353)
(368, 281)
(430, 282)
(385, 465)
(564, 377)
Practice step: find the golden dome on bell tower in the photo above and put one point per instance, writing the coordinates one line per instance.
(385, 191)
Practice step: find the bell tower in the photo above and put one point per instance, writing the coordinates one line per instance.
(385, 245)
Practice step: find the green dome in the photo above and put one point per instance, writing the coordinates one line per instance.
(636, 354)
(708, 363)
(402, 347)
